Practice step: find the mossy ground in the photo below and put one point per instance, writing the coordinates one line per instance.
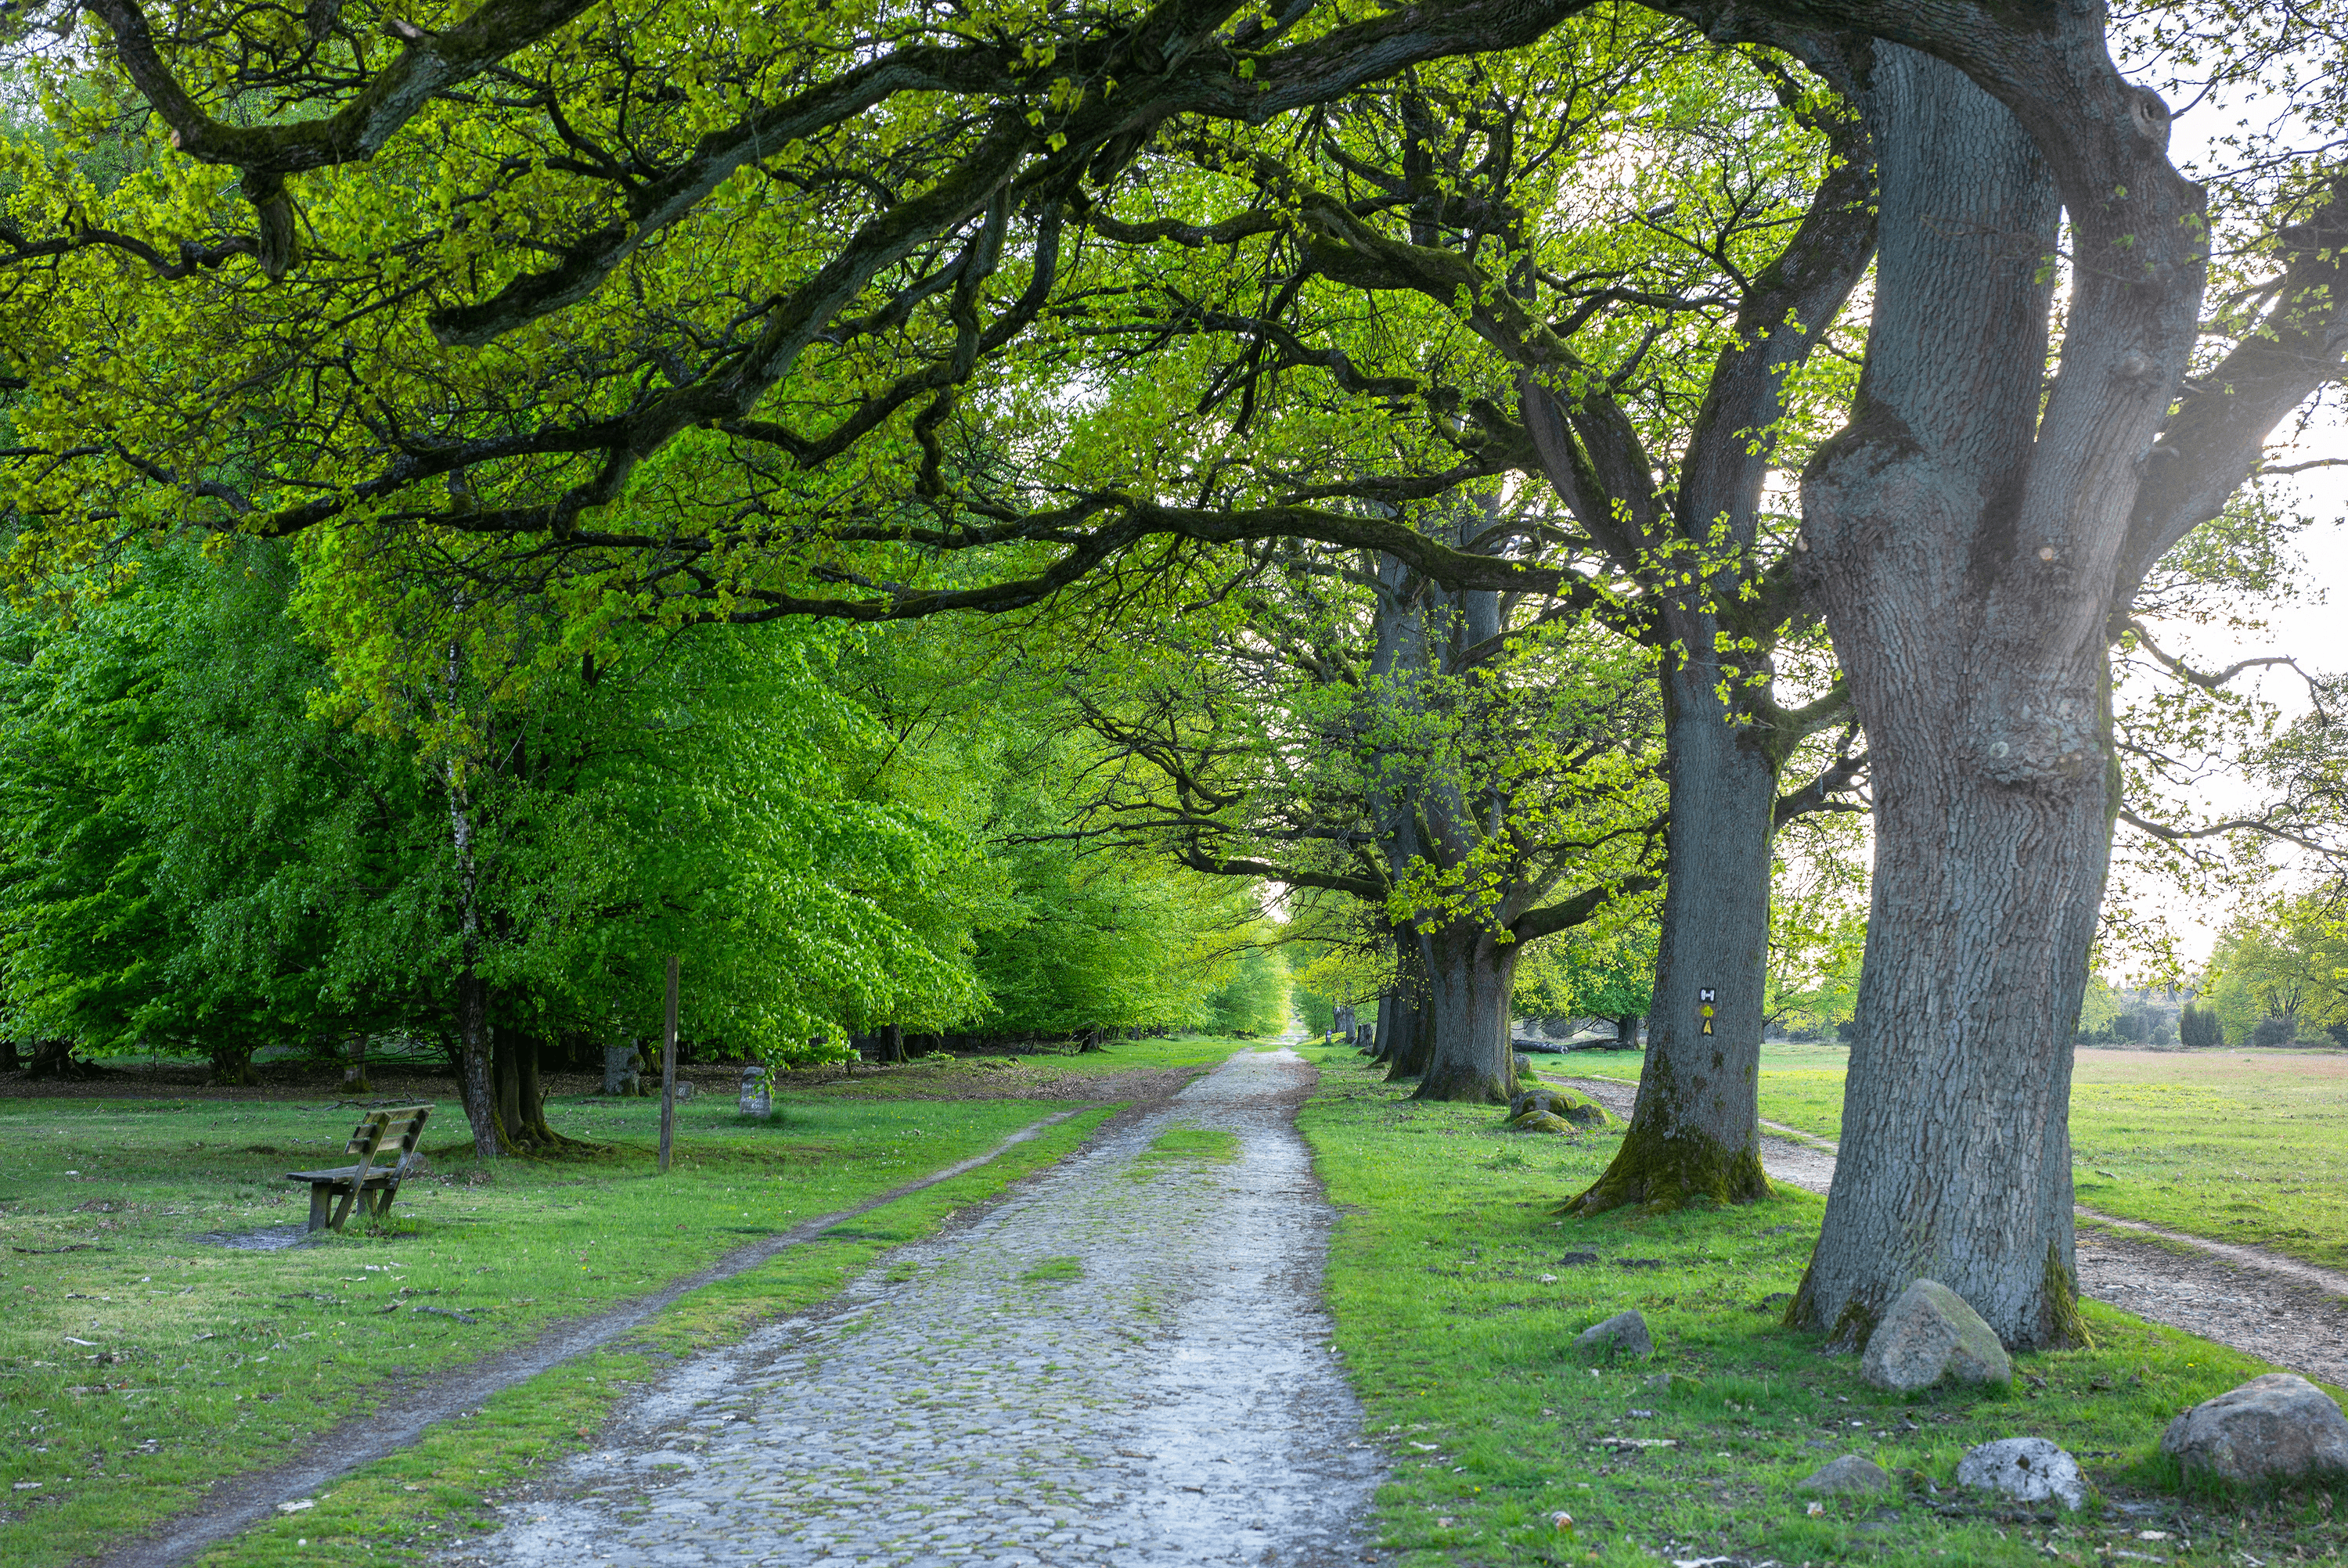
(2237, 1145)
(1457, 1296)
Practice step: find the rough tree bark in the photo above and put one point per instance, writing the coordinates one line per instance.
(1696, 1128)
(1963, 548)
(1471, 972)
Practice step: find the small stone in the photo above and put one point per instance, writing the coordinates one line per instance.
(2028, 1469)
(1931, 1333)
(2279, 1426)
(1850, 1473)
(1540, 1121)
(1626, 1331)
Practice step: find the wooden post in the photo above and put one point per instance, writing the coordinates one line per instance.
(668, 1068)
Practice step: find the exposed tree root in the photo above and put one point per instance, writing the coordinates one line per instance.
(1658, 1173)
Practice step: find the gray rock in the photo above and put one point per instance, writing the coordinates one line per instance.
(1931, 1333)
(1626, 1331)
(1577, 1109)
(755, 1100)
(2279, 1426)
(1850, 1473)
(623, 1071)
(1524, 1065)
(2028, 1469)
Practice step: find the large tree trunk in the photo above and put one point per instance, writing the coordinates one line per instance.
(1413, 1014)
(473, 1075)
(1470, 974)
(1697, 1130)
(232, 1064)
(1962, 546)
(505, 1086)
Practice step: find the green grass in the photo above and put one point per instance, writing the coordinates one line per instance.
(1461, 1351)
(2237, 1145)
(201, 1362)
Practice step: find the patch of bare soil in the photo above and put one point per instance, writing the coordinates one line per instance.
(2280, 1310)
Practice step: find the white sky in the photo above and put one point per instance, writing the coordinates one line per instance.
(2313, 628)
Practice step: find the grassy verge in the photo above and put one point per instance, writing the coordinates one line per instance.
(2237, 1145)
(1457, 1294)
(138, 1364)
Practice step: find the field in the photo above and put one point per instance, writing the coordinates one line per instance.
(1457, 1294)
(2239, 1145)
(140, 1365)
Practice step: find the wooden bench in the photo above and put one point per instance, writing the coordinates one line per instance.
(371, 1186)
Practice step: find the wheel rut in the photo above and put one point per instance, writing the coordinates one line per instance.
(2280, 1310)
(1126, 1363)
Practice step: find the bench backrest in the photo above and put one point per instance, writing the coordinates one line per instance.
(393, 1133)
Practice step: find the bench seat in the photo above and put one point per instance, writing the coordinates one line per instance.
(366, 1185)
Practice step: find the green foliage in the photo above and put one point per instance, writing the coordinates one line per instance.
(1602, 970)
(2283, 959)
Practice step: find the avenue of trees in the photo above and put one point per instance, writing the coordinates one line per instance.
(486, 485)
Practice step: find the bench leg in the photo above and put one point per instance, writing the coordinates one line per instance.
(320, 1195)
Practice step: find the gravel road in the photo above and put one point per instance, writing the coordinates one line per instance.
(1123, 1364)
(2291, 1313)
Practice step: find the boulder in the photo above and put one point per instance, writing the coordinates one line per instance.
(1849, 1474)
(2279, 1426)
(2028, 1469)
(1524, 1064)
(1626, 1331)
(1578, 1109)
(1540, 1121)
(1931, 1333)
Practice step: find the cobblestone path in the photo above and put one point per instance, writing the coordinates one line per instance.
(1127, 1363)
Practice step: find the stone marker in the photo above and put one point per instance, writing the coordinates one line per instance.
(1626, 1331)
(1931, 1333)
(685, 1088)
(2028, 1469)
(2279, 1426)
(623, 1070)
(1850, 1473)
(755, 1100)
